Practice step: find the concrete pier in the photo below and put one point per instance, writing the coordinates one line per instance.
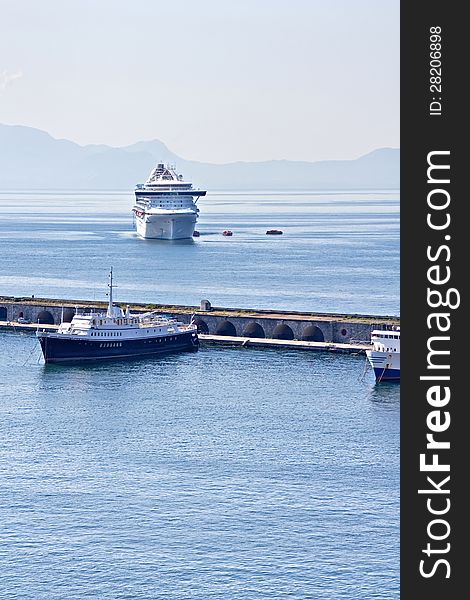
(291, 344)
(215, 324)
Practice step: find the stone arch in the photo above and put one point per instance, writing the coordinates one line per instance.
(45, 317)
(283, 332)
(312, 333)
(69, 314)
(3, 313)
(202, 326)
(254, 330)
(226, 328)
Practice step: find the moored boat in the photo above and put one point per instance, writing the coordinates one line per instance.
(384, 356)
(116, 334)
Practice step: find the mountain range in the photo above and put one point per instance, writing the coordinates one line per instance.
(31, 159)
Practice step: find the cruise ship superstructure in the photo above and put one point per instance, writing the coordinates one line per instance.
(165, 205)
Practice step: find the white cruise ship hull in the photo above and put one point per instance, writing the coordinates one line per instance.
(386, 365)
(166, 226)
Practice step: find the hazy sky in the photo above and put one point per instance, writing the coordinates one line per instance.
(216, 80)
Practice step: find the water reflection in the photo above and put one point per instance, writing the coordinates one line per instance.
(386, 392)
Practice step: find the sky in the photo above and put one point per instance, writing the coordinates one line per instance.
(215, 80)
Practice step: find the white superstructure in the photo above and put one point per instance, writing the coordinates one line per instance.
(165, 206)
(384, 356)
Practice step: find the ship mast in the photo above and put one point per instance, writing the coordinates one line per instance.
(110, 285)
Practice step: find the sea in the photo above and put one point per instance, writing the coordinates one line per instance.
(231, 473)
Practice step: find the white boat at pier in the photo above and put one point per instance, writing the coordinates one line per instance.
(384, 356)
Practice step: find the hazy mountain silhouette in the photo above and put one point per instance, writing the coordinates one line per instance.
(31, 159)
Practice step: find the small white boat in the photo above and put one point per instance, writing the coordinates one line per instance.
(384, 356)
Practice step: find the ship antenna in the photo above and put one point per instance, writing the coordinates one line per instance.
(110, 285)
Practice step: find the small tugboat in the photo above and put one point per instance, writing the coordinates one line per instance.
(385, 354)
(116, 334)
(274, 232)
(227, 233)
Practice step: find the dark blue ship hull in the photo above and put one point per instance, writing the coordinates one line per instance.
(58, 348)
(387, 374)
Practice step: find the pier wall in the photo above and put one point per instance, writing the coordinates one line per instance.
(217, 321)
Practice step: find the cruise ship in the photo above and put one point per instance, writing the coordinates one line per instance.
(384, 356)
(165, 205)
(116, 334)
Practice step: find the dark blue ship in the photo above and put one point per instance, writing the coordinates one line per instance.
(116, 334)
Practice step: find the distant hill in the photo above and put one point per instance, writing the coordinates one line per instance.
(31, 159)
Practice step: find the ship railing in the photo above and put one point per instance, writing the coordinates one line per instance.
(156, 314)
(153, 321)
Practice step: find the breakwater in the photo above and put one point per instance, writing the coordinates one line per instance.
(216, 321)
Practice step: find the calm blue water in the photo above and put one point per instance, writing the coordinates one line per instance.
(227, 474)
(230, 473)
(338, 253)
